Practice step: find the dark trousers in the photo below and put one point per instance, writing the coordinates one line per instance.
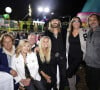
(93, 78)
(16, 86)
(35, 85)
(47, 85)
(61, 62)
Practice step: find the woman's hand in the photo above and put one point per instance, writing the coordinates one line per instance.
(48, 78)
(13, 73)
(26, 82)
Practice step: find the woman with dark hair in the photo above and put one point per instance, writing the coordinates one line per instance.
(75, 49)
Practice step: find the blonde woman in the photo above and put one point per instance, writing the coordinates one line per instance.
(46, 63)
(25, 63)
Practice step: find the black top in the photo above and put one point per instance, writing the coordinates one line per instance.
(74, 56)
(35, 45)
(57, 43)
(74, 46)
(46, 67)
(27, 73)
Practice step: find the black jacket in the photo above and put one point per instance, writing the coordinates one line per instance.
(59, 43)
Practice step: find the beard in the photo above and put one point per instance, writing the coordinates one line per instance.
(93, 25)
(55, 25)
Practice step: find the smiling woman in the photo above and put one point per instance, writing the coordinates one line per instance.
(24, 61)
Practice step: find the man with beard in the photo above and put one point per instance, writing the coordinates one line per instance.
(92, 58)
(58, 52)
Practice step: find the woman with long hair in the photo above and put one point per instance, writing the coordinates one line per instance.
(75, 45)
(46, 63)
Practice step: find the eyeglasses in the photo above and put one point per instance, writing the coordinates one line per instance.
(77, 21)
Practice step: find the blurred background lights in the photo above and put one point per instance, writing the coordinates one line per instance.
(46, 10)
(40, 9)
(8, 10)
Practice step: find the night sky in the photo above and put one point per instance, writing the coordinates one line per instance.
(59, 7)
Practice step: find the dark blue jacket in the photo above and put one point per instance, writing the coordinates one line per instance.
(4, 62)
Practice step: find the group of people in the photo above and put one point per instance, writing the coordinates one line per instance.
(34, 67)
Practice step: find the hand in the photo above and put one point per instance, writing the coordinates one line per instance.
(21, 88)
(48, 78)
(13, 73)
(25, 82)
(36, 49)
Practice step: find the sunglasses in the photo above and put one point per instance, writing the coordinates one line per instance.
(77, 21)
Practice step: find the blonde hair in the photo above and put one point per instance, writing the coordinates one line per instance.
(45, 56)
(20, 46)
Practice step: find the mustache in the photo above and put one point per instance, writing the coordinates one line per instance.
(93, 23)
(55, 23)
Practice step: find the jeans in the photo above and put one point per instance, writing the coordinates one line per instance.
(61, 62)
(35, 85)
(93, 78)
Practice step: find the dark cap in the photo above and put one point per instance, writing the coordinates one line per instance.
(54, 17)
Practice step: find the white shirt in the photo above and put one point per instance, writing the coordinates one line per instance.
(32, 64)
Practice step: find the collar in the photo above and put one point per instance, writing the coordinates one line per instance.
(33, 46)
(9, 53)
